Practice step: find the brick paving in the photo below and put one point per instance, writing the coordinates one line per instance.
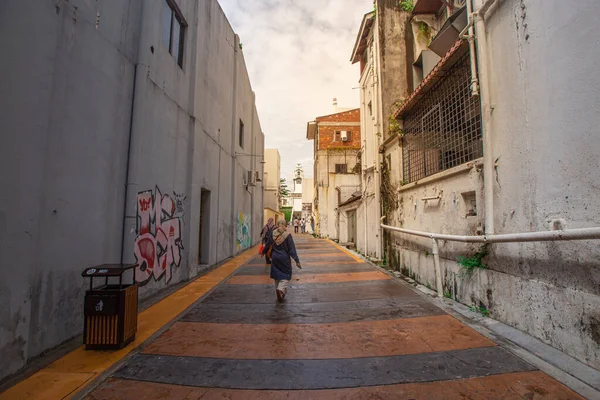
(345, 331)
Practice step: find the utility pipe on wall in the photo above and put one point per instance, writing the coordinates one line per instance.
(471, 38)
(435, 250)
(544, 236)
(486, 108)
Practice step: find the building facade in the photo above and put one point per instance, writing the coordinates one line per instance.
(337, 167)
(138, 142)
(381, 52)
(296, 191)
(495, 135)
(308, 197)
(271, 180)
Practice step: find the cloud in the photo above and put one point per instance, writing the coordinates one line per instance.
(298, 53)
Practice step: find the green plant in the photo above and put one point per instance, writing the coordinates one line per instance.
(481, 310)
(469, 264)
(407, 5)
(404, 182)
(389, 191)
(425, 31)
(447, 294)
(428, 286)
(426, 253)
(283, 189)
(394, 125)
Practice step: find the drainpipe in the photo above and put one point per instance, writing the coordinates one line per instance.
(125, 198)
(234, 128)
(378, 156)
(337, 222)
(437, 267)
(472, 51)
(486, 108)
(364, 199)
(253, 169)
(133, 123)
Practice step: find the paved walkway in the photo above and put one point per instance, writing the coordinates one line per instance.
(345, 331)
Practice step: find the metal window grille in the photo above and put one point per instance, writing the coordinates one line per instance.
(341, 168)
(444, 129)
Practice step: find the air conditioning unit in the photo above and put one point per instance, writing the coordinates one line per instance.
(251, 178)
(344, 136)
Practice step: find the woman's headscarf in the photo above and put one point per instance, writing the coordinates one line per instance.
(268, 227)
(281, 233)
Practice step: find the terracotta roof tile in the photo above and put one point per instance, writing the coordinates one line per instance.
(436, 73)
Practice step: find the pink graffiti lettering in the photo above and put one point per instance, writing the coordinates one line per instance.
(158, 244)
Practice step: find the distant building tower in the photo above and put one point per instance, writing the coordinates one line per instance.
(297, 191)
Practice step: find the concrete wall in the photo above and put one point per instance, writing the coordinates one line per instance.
(272, 176)
(372, 131)
(394, 53)
(544, 80)
(546, 77)
(67, 101)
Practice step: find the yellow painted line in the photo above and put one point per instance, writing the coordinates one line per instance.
(355, 257)
(66, 376)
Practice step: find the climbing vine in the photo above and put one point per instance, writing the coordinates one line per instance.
(389, 197)
(407, 5)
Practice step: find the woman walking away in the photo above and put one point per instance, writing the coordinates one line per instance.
(282, 247)
(266, 233)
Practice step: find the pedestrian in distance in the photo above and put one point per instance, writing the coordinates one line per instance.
(303, 225)
(266, 232)
(295, 225)
(282, 250)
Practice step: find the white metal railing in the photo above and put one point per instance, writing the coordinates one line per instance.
(545, 236)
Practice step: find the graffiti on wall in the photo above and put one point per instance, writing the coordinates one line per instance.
(158, 243)
(244, 235)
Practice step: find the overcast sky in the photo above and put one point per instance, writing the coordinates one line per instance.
(298, 56)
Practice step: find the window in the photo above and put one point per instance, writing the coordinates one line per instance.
(444, 129)
(339, 136)
(241, 135)
(341, 168)
(173, 30)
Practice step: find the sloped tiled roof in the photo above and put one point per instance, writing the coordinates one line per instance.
(438, 72)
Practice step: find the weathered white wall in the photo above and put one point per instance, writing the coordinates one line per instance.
(272, 168)
(545, 76)
(371, 130)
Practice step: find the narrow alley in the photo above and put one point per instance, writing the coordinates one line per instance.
(345, 331)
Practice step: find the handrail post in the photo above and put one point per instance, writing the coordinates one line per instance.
(437, 267)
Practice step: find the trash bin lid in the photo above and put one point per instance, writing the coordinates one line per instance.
(106, 270)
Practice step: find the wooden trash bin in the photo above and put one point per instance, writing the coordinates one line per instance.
(110, 310)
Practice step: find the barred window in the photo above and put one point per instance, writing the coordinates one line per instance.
(444, 129)
(341, 168)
